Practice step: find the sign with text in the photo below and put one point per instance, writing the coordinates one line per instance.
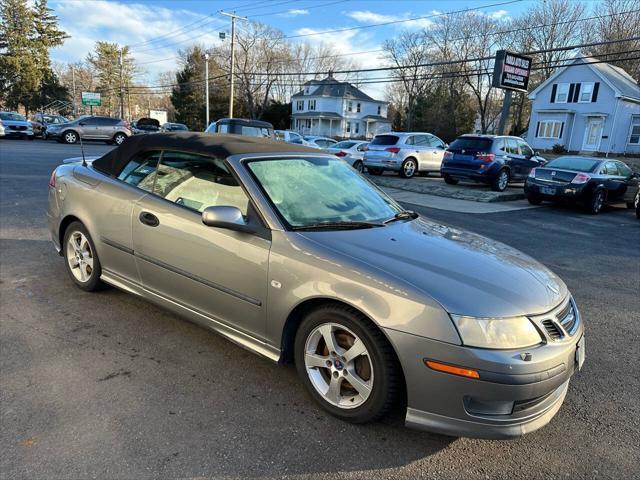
(511, 71)
(91, 98)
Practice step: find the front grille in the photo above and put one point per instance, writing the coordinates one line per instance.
(17, 127)
(552, 329)
(567, 318)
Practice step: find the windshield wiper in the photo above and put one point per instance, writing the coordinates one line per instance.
(404, 215)
(337, 225)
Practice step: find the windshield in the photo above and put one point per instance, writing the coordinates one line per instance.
(308, 191)
(12, 116)
(578, 164)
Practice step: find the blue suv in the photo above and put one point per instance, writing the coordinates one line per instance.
(490, 159)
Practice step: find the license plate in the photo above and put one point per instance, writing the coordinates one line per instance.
(580, 353)
(548, 190)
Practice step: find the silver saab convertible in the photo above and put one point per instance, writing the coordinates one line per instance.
(292, 254)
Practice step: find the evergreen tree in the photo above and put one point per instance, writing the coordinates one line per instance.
(105, 62)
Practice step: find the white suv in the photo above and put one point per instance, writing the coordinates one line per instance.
(405, 153)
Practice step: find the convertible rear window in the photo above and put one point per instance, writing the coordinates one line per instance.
(384, 140)
(578, 164)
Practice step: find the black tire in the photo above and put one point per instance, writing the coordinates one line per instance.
(534, 198)
(498, 184)
(119, 138)
(449, 180)
(409, 168)
(69, 137)
(93, 282)
(31, 137)
(386, 369)
(358, 166)
(596, 202)
(375, 170)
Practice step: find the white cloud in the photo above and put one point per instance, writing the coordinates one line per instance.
(369, 17)
(499, 14)
(132, 24)
(294, 12)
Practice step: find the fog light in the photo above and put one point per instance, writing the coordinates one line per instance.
(487, 407)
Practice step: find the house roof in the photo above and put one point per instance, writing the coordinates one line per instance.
(330, 87)
(314, 114)
(619, 80)
(378, 118)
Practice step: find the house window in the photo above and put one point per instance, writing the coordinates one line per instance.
(634, 134)
(356, 126)
(312, 104)
(562, 93)
(350, 107)
(348, 127)
(357, 109)
(379, 109)
(549, 129)
(300, 105)
(586, 91)
(308, 123)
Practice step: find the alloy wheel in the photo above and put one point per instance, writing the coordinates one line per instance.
(119, 139)
(339, 365)
(503, 180)
(598, 201)
(80, 256)
(70, 137)
(409, 168)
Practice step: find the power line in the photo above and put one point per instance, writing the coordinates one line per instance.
(172, 33)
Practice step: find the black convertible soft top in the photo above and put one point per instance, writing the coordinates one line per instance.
(218, 145)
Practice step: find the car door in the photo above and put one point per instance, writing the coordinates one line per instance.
(90, 128)
(529, 159)
(515, 159)
(436, 153)
(423, 151)
(615, 182)
(217, 272)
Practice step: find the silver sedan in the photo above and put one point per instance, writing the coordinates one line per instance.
(292, 254)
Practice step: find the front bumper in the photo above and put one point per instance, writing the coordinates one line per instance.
(511, 398)
(8, 132)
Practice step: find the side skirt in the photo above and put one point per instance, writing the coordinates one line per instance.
(239, 338)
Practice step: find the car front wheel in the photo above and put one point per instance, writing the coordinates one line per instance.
(346, 364)
(81, 258)
(119, 138)
(70, 137)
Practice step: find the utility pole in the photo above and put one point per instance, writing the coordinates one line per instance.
(121, 86)
(206, 88)
(233, 50)
(73, 86)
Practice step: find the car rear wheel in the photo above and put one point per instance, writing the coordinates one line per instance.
(449, 180)
(81, 258)
(409, 168)
(70, 137)
(346, 364)
(534, 199)
(358, 166)
(119, 138)
(375, 171)
(501, 180)
(595, 204)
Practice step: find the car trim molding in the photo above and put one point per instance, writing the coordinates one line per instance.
(190, 276)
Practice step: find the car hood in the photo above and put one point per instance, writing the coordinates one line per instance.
(17, 123)
(467, 274)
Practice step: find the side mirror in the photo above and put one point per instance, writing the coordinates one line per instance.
(225, 217)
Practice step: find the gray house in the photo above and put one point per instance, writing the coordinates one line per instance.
(586, 107)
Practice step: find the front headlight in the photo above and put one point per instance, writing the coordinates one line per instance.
(515, 332)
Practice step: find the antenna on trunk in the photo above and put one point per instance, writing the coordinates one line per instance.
(84, 161)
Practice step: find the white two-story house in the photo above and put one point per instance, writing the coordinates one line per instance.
(586, 107)
(332, 108)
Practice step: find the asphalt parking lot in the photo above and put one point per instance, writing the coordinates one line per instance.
(108, 386)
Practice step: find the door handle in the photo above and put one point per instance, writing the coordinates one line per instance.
(149, 219)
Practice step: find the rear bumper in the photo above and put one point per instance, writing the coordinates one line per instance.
(486, 176)
(393, 165)
(560, 192)
(512, 396)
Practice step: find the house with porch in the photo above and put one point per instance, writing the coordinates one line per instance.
(586, 107)
(332, 108)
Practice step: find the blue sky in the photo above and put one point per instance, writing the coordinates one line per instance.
(140, 23)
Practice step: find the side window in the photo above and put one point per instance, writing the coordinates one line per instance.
(421, 140)
(610, 168)
(222, 128)
(525, 149)
(362, 147)
(140, 171)
(198, 182)
(512, 146)
(624, 170)
(409, 141)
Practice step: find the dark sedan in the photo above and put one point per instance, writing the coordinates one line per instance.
(589, 181)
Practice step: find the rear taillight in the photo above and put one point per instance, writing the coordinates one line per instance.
(532, 173)
(581, 178)
(52, 180)
(447, 154)
(341, 154)
(393, 150)
(486, 157)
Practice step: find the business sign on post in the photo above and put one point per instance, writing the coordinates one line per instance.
(91, 98)
(511, 71)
